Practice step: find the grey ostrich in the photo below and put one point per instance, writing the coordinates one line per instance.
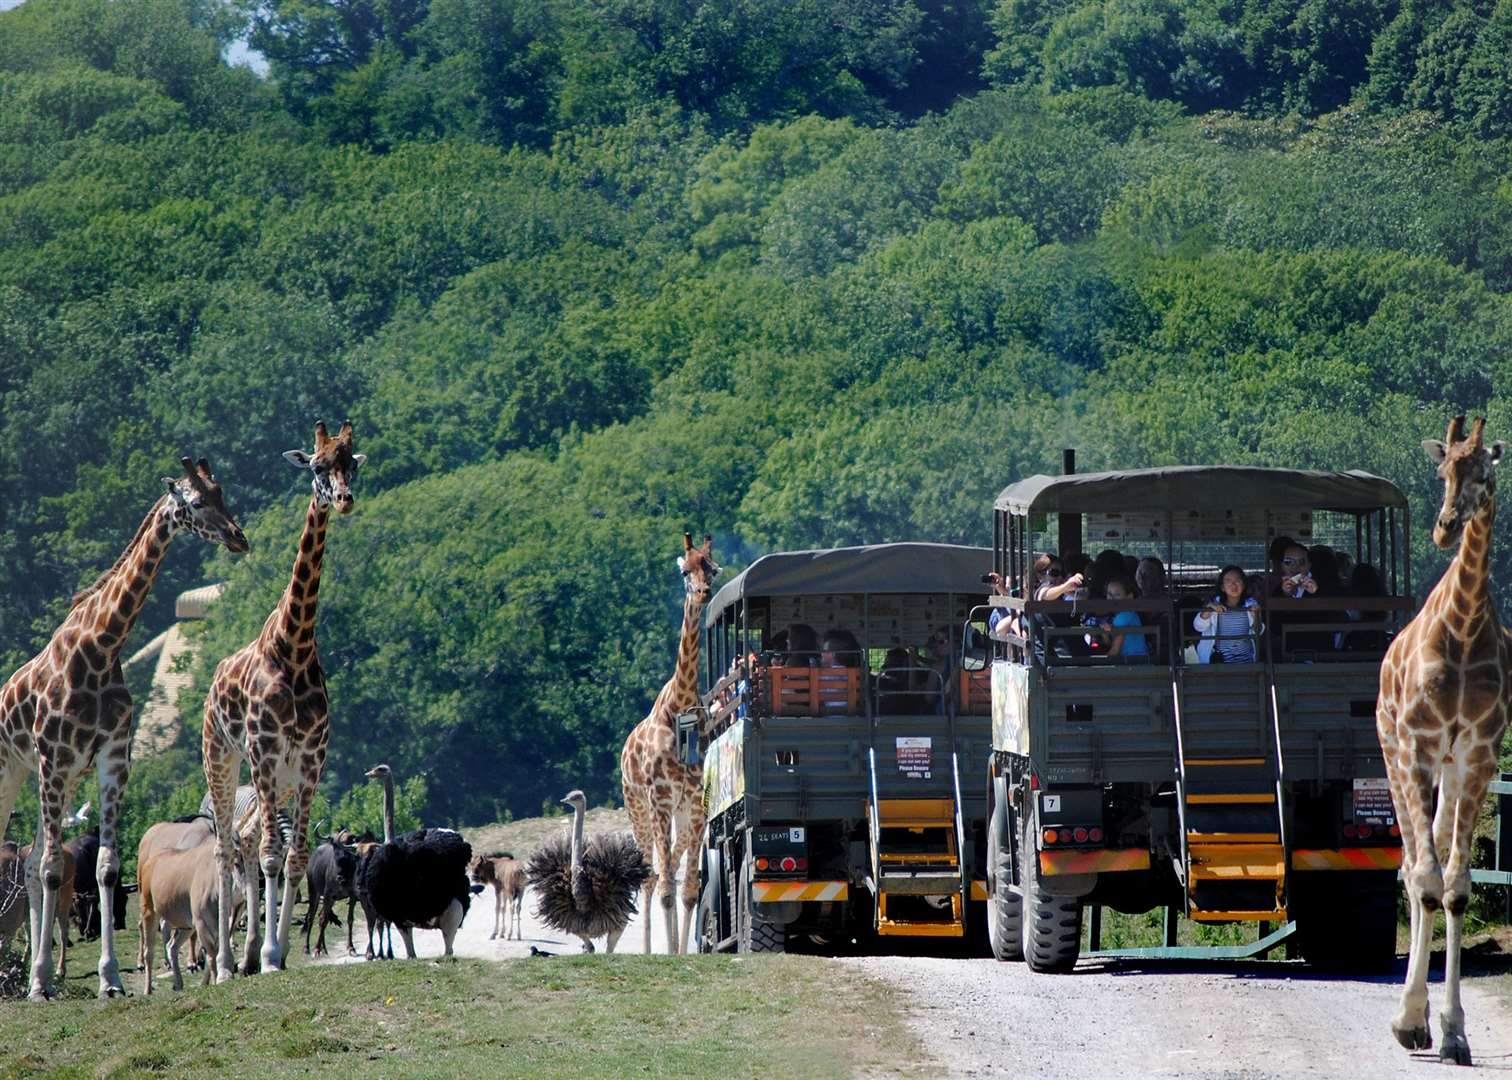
(587, 889)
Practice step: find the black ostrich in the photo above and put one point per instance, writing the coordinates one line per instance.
(416, 880)
(587, 889)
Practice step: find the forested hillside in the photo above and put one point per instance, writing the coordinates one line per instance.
(586, 273)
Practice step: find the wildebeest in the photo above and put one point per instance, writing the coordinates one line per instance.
(328, 878)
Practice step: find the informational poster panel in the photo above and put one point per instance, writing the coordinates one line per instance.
(1136, 529)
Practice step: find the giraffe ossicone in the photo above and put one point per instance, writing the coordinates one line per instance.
(267, 706)
(664, 796)
(1444, 701)
(67, 709)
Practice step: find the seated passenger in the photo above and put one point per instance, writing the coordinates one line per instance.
(1051, 583)
(802, 646)
(1132, 647)
(840, 652)
(1002, 620)
(1364, 581)
(938, 658)
(894, 682)
(1229, 622)
(840, 649)
(1150, 584)
(1297, 581)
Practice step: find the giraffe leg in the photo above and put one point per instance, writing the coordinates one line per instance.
(666, 880)
(1464, 806)
(44, 874)
(642, 825)
(1425, 889)
(111, 767)
(691, 848)
(221, 768)
(299, 851)
(270, 858)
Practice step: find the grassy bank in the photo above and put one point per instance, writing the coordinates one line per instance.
(556, 1017)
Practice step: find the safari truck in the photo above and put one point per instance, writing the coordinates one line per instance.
(1229, 792)
(834, 782)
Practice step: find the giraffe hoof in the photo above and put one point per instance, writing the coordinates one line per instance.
(1455, 1051)
(1418, 1038)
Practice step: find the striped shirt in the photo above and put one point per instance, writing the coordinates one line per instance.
(1234, 643)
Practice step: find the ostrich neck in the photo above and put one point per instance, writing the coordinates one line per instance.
(388, 809)
(577, 843)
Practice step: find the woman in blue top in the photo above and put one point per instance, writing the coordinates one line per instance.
(1229, 623)
(1131, 645)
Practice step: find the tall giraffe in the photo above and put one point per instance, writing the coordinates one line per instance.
(1445, 697)
(68, 708)
(660, 791)
(267, 706)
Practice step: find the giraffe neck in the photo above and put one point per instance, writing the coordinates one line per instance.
(106, 615)
(681, 692)
(1467, 583)
(292, 624)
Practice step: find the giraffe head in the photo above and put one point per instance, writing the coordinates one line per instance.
(333, 464)
(196, 504)
(1468, 469)
(698, 568)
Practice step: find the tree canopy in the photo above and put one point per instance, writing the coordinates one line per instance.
(588, 273)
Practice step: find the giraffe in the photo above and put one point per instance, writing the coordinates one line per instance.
(659, 790)
(1445, 696)
(267, 706)
(68, 708)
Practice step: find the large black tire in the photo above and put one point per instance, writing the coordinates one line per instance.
(1052, 924)
(757, 935)
(1347, 921)
(1005, 910)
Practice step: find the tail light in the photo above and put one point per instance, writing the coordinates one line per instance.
(763, 863)
(1095, 835)
(1051, 836)
(1365, 832)
(1350, 832)
(1079, 834)
(1396, 830)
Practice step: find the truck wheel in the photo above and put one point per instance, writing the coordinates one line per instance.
(1052, 924)
(1347, 922)
(1005, 911)
(757, 935)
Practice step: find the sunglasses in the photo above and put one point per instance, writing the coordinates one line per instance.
(1294, 561)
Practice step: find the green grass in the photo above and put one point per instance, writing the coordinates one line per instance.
(564, 1016)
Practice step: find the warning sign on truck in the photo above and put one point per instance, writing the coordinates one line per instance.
(1372, 802)
(914, 756)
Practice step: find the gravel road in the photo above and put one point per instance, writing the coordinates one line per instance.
(1235, 1020)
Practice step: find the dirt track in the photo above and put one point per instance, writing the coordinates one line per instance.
(1250, 1020)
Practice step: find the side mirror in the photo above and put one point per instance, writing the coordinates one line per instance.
(973, 651)
(689, 730)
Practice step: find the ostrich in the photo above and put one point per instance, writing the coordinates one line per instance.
(416, 880)
(587, 890)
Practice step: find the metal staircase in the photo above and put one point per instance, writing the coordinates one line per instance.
(1228, 783)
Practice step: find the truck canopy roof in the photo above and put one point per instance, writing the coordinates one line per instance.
(1200, 487)
(875, 568)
